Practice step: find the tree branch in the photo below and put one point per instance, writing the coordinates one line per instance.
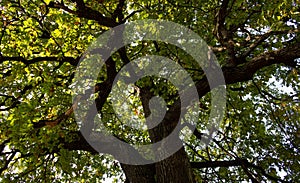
(118, 13)
(71, 60)
(223, 35)
(246, 71)
(263, 38)
(215, 164)
(230, 163)
(86, 12)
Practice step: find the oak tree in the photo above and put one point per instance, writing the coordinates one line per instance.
(256, 43)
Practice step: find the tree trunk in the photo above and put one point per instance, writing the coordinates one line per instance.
(176, 168)
(139, 173)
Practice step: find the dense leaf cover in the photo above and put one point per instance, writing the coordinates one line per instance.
(256, 43)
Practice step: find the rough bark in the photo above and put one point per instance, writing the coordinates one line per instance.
(176, 168)
(139, 173)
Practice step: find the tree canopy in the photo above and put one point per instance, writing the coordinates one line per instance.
(256, 43)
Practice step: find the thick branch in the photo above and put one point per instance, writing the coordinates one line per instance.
(86, 12)
(246, 71)
(134, 173)
(118, 13)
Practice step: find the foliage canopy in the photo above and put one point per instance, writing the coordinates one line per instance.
(256, 42)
